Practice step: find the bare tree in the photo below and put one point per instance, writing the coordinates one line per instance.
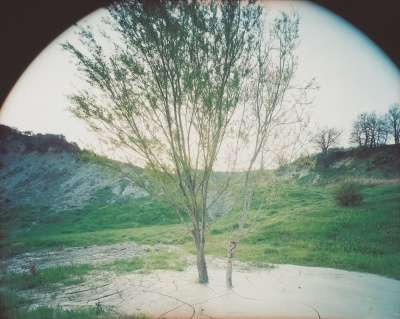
(369, 130)
(393, 122)
(359, 133)
(356, 135)
(269, 109)
(382, 130)
(169, 91)
(326, 138)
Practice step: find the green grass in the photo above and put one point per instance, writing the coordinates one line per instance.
(142, 220)
(303, 225)
(13, 306)
(66, 275)
(120, 214)
(123, 265)
(93, 158)
(50, 239)
(155, 260)
(100, 213)
(164, 260)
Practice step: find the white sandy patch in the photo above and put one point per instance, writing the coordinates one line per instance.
(284, 291)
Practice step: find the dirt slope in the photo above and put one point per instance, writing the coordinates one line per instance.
(47, 171)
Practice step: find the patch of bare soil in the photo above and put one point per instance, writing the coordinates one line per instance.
(284, 291)
(74, 256)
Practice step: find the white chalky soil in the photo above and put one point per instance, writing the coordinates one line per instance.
(284, 291)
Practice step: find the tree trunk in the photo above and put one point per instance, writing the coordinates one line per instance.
(233, 243)
(231, 254)
(200, 259)
(202, 266)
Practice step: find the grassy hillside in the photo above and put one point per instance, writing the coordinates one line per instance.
(299, 221)
(302, 224)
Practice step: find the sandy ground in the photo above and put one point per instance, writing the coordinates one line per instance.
(284, 291)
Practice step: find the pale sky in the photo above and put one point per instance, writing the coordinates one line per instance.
(353, 74)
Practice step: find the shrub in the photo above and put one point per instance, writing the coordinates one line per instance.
(348, 194)
(306, 162)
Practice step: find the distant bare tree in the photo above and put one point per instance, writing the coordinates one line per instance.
(326, 138)
(359, 133)
(369, 130)
(356, 135)
(382, 132)
(393, 122)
